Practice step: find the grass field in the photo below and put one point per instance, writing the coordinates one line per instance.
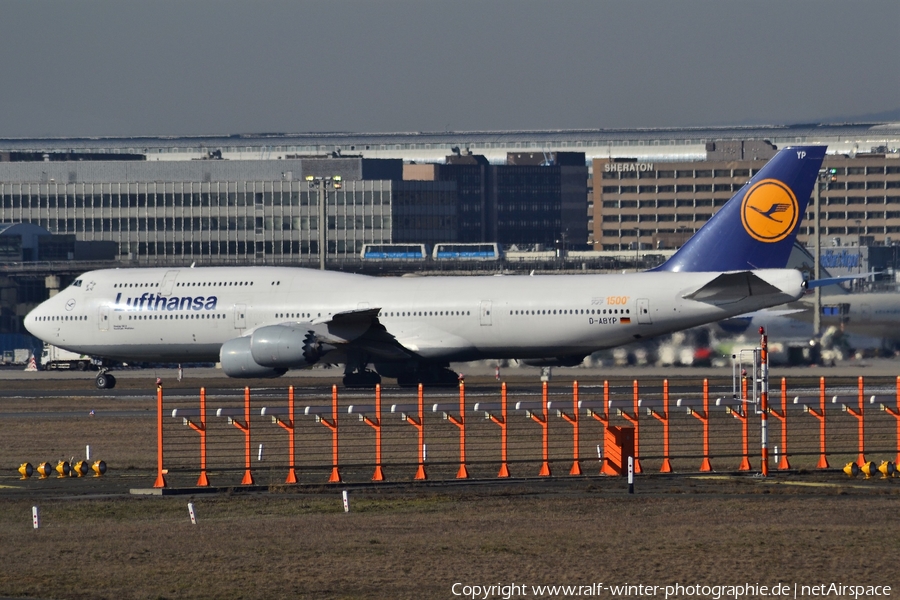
(416, 543)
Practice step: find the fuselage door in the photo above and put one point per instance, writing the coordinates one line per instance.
(643, 309)
(103, 318)
(168, 283)
(485, 312)
(240, 316)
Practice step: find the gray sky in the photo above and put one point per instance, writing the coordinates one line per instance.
(218, 67)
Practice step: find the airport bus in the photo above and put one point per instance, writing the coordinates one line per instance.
(466, 252)
(393, 252)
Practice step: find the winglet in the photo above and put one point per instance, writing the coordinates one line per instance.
(757, 227)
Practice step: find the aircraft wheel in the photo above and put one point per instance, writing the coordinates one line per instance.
(366, 379)
(105, 381)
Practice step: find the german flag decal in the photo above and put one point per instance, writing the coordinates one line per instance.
(625, 320)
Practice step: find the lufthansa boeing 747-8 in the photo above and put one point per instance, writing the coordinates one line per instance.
(263, 321)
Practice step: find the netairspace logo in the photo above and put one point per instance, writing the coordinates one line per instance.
(712, 592)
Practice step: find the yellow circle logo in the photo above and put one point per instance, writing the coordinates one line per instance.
(769, 211)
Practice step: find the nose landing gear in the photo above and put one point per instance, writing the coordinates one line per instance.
(105, 381)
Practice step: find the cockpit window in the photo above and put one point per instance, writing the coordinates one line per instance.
(76, 283)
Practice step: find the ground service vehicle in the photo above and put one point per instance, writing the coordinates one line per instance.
(53, 358)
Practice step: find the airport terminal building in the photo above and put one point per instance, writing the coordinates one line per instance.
(220, 211)
(658, 205)
(270, 211)
(278, 199)
(246, 197)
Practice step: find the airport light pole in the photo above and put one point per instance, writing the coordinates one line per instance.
(637, 247)
(322, 185)
(859, 237)
(817, 259)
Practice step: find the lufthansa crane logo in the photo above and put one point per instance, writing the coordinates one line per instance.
(769, 211)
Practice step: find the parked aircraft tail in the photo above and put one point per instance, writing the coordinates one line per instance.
(757, 227)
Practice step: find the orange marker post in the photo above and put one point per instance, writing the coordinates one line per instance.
(203, 480)
(160, 475)
(860, 414)
(545, 441)
(376, 425)
(706, 465)
(502, 422)
(605, 468)
(634, 420)
(245, 427)
(663, 418)
(741, 415)
(419, 424)
(288, 426)
(573, 420)
(783, 463)
(463, 472)
(333, 426)
(820, 415)
(764, 400)
(895, 412)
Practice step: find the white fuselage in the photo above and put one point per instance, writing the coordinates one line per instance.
(184, 315)
(875, 314)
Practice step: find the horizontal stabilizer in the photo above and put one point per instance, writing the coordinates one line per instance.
(728, 288)
(814, 283)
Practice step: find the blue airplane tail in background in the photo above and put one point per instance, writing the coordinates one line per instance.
(756, 229)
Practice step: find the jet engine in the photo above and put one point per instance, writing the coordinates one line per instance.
(286, 346)
(237, 361)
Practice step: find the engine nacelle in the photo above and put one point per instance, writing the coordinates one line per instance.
(285, 346)
(237, 361)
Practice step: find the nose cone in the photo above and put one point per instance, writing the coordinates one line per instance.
(33, 323)
(30, 322)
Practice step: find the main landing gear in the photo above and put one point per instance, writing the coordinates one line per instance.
(356, 375)
(362, 379)
(105, 381)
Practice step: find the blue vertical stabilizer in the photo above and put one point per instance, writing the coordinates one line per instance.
(756, 229)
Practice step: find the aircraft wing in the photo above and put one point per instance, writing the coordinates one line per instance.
(362, 329)
(297, 344)
(431, 342)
